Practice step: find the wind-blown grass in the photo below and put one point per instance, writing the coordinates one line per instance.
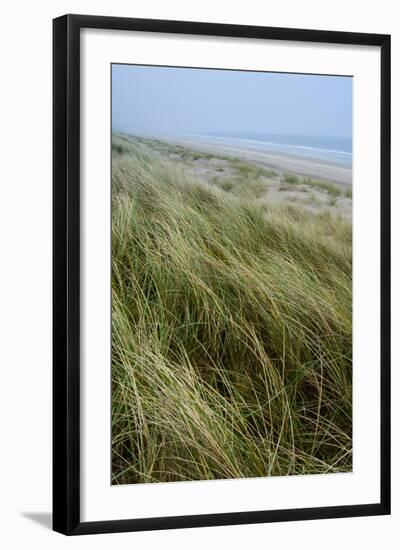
(291, 178)
(327, 186)
(231, 331)
(332, 189)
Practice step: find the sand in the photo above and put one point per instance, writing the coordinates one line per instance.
(284, 163)
(217, 165)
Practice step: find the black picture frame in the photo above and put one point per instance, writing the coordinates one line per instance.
(66, 273)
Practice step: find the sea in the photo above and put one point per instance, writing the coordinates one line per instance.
(337, 150)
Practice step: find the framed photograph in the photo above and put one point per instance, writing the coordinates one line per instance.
(221, 274)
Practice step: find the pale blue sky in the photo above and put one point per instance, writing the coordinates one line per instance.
(164, 100)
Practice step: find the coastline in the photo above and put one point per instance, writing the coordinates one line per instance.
(278, 181)
(284, 162)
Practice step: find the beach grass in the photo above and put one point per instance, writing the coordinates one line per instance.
(231, 330)
(253, 170)
(330, 188)
(291, 178)
(244, 185)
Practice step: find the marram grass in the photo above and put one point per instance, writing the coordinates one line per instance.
(231, 331)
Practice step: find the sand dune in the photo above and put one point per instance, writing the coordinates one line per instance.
(279, 161)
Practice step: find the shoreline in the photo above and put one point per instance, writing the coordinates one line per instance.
(263, 181)
(284, 162)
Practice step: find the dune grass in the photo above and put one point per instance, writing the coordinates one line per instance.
(231, 331)
(332, 189)
(246, 185)
(291, 178)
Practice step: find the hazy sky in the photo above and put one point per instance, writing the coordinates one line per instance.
(163, 100)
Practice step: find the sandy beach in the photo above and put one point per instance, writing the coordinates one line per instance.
(270, 178)
(283, 162)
